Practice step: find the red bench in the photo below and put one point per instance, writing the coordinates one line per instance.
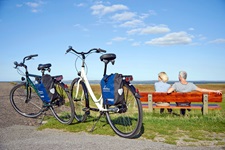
(205, 101)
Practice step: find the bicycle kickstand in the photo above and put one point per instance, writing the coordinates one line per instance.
(44, 114)
(101, 113)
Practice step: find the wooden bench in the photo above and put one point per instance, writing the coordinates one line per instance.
(204, 100)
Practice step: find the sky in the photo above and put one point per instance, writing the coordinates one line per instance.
(147, 36)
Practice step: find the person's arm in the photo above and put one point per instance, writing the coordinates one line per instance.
(170, 90)
(206, 90)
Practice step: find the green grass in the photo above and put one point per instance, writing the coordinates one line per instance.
(193, 129)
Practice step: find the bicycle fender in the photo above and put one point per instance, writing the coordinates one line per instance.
(137, 95)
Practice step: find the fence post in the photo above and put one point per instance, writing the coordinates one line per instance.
(205, 104)
(150, 103)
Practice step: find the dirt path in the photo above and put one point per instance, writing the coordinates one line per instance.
(8, 116)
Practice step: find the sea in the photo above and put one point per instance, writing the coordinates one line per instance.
(142, 82)
(153, 81)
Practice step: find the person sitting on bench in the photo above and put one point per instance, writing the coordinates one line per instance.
(184, 86)
(162, 86)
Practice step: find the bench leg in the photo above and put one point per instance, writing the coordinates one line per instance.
(150, 104)
(205, 104)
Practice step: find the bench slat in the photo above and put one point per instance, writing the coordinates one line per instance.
(180, 97)
(193, 106)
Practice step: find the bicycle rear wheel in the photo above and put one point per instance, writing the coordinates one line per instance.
(127, 122)
(78, 93)
(26, 101)
(62, 107)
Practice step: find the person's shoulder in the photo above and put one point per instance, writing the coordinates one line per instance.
(156, 83)
(175, 83)
(191, 83)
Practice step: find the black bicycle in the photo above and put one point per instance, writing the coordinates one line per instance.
(31, 99)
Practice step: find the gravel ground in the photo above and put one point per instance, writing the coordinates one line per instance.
(20, 133)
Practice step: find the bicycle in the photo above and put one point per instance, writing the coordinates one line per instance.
(125, 120)
(30, 101)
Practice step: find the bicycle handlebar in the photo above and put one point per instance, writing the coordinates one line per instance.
(22, 64)
(97, 50)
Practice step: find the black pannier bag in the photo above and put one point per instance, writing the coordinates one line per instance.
(46, 89)
(112, 89)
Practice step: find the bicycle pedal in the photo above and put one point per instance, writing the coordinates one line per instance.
(86, 109)
(87, 112)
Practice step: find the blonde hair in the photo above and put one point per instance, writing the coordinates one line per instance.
(163, 76)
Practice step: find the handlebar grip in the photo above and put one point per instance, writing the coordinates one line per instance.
(30, 57)
(16, 63)
(101, 50)
(35, 55)
(70, 48)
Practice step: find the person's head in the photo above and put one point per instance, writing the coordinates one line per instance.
(163, 76)
(182, 75)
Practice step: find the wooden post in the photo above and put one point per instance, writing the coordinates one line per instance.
(150, 103)
(205, 104)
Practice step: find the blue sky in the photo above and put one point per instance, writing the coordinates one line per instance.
(148, 36)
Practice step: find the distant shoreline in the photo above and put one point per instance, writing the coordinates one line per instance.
(141, 82)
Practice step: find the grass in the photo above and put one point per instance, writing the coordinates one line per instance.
(193, 130)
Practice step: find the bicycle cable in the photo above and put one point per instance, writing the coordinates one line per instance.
(19, 71)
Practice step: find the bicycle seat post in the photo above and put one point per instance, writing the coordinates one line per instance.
(105, 67)
(106, 58)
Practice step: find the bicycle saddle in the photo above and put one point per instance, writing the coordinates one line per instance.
(108, 57)
(44, 66)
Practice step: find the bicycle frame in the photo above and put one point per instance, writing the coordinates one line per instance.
(83, 77)
(29, 82)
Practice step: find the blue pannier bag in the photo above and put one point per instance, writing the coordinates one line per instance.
(112, 89)
(46, 89)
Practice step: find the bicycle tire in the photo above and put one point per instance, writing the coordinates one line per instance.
(26, 103)
(62, 107)
(79, 94)
(127, 123)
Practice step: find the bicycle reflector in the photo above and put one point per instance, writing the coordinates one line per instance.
(128, 78)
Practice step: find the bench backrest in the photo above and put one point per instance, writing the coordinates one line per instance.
(180, 97)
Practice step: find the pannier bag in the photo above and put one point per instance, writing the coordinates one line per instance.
(112, 89)
(46, 88)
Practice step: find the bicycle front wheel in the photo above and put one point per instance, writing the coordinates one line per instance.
(78, 93)
(62, 107)
(25, 100)
(127, 122)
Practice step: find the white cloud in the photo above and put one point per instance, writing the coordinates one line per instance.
(150, 30)
(80, 5)
(136, 44)
(100, 9)
(109, 43)
(123, 16)
(80, 27)
(32, 4)
(19, 5)
(218, 41)
(133, 23)
(176, 38)
(118, 39)
(35, 6)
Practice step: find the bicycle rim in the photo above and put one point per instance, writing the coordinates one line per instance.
(62, 107)
(26, 101)
(78, 92)
(127, 124)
